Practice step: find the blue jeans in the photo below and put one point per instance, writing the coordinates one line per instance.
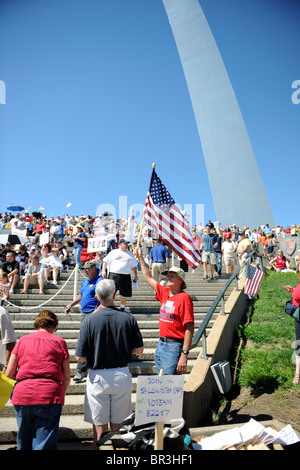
(167, 356)
(111, 244)
(218, 266)
(77, 253)
(37, 426)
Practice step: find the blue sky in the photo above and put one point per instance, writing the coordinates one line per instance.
(95, 93)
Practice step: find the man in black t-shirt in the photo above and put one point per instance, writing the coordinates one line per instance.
(107, 340)
(218, 251)
(12, 268)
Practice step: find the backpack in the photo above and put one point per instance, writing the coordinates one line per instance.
(291, 310)
(176, 435)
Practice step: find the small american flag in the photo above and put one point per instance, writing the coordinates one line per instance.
(254, 276)
(162, 214)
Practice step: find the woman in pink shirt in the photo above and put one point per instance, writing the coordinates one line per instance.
(40, 363)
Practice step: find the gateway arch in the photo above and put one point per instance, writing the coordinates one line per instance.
(237, 189)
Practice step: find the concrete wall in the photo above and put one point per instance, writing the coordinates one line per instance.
(198, 390)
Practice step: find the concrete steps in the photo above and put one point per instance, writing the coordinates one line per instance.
(142, 305)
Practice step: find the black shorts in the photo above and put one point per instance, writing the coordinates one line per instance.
(123, 283)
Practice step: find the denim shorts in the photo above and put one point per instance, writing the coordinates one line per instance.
(167, 356)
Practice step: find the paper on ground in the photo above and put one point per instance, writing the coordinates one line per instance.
(252, 433)
(287, 436)
(222, 440)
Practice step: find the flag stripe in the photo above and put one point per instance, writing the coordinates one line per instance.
(251, 288)
(253, 280)
(177, 237)
(171, 221)
(172, 228)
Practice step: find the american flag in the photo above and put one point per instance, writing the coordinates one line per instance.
(254, 276)
(162, 214)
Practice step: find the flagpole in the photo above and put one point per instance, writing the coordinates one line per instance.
(275, 280)
(143, 217)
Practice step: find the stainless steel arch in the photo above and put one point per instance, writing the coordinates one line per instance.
(237, 188)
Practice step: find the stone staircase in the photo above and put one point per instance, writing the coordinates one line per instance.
(142, 305)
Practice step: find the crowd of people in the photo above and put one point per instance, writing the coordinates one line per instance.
(46, 254)
(109, 337)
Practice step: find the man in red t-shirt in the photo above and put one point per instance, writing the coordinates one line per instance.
(176, 319)
(39, 229)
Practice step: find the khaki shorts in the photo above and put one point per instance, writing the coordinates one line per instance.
(208, 256)
(229, 260)
(33, 280)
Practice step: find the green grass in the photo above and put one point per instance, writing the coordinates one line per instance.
(267, 359)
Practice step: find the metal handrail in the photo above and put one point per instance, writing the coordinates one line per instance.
(201, 332)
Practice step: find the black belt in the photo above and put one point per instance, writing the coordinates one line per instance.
(49, 378)
(171, 340)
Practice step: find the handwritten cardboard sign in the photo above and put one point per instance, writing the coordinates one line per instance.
(158, 398)
(97, 244)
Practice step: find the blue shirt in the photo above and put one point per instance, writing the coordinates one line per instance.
(209, 239)
(159, 253)
(61, 229)
(87, 290)
(79, 242)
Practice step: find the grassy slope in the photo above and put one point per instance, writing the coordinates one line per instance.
(268, 359)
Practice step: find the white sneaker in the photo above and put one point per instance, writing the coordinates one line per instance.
(11, 291)
(54, 282)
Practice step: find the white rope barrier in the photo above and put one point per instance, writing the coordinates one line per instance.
(44, 303)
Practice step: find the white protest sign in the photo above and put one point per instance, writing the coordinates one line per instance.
(97, 244)
(44, 238)
(158, 398)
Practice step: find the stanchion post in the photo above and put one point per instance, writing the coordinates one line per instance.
(75, 281)
(159, 429)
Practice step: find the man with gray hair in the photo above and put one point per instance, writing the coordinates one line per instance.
(106, 292)
(107, 340)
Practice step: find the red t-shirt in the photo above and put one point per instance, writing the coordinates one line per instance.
(227, 234)
(175, 312)
(296, 295)
(39, 228)
(40, 354)
(281, 263)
